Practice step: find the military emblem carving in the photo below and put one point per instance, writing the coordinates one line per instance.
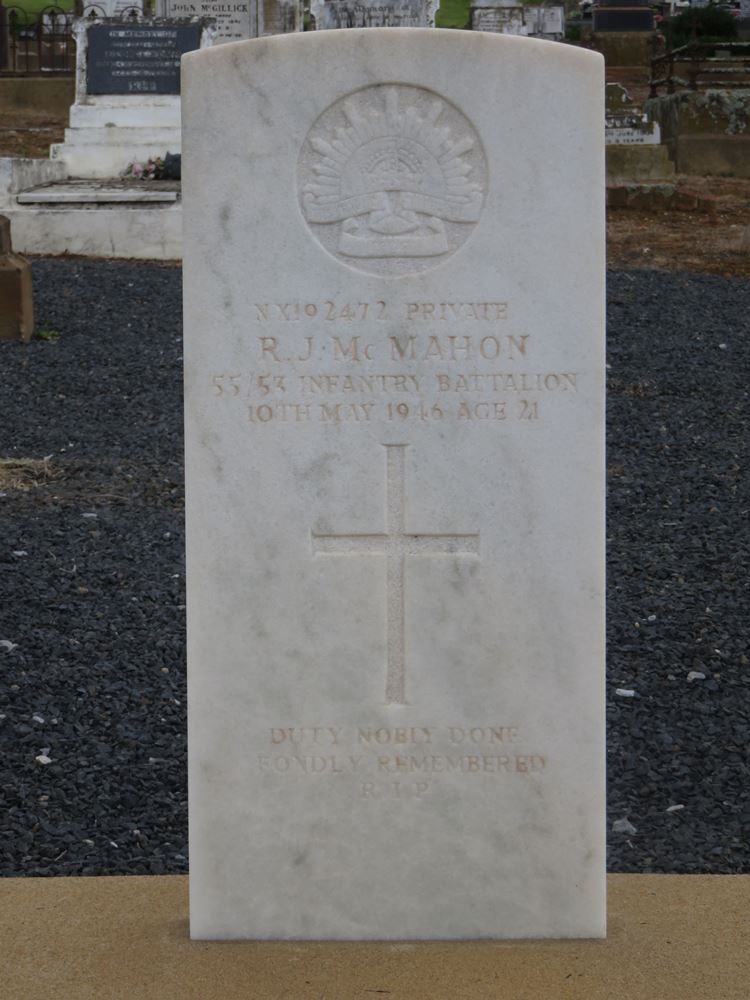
(392, 178)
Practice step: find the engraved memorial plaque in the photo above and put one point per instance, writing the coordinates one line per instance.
(138, 58)
(394, 441)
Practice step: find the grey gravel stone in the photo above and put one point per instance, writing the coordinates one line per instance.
(96, 608)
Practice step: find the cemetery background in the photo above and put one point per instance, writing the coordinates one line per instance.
(94, 710)
(700, 228)
(92, 695)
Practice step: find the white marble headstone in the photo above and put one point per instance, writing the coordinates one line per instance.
(394, 425)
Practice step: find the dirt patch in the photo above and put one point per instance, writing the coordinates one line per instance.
(23, 133)
(712, 243)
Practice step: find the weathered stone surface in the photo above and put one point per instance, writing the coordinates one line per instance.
(706, 132)
(623, 48)
(394, 432)
(626, 164)
(528, 21)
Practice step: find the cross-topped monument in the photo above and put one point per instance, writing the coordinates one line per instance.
(395, 544)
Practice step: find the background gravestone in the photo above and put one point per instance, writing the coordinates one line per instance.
(513, 19)
(142, 58)
(276, 17)
(374, 13)
(623, 15)
(633, 141)
(127, 106)
(237, 20)
(627, 124)
(394, 461)
(499, 18)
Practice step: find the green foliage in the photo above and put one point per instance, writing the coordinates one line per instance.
(51, 336)
(453, 14)
(704, 24)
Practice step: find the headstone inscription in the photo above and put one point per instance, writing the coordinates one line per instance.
(504, 19)
(394, 450)
(374, 13)
(237, 20)
(231, 19)
(139, 58)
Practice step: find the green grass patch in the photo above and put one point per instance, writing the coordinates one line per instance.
(453, 14)
(34, 7)
(51, 336)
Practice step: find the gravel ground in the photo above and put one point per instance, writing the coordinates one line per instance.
(92, 691)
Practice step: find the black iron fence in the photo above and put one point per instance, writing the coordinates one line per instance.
(702, 66)
(43, 43)
(36, 43)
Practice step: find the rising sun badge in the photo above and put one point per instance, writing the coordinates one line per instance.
(391, 178)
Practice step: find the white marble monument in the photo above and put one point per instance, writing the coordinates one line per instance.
(395, 479)
(138, 118)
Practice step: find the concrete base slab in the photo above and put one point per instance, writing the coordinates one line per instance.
(718, 154)
(82, 192)
(103, 217)
(628, 164)
(141, 231)
(671, 937)
(19, 174)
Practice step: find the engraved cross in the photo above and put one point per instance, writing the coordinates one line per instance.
(395, 543)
